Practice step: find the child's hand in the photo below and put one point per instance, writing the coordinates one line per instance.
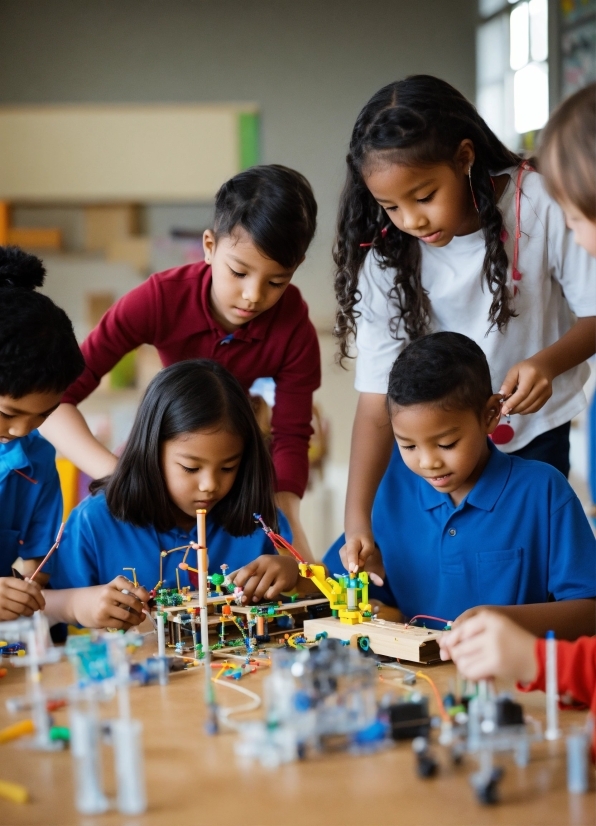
(489, 644)
(368, 559)
(19, 598)
(526, 388)
(356, 551)
(106, 606)
(266, 577)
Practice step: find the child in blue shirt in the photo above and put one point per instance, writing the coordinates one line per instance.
(39, 358)
(195, 443)
(472, 525)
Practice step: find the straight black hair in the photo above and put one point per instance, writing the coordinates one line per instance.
(417, 121)
(275, 206)
(448, 369)
(190, 396)
(38, 349)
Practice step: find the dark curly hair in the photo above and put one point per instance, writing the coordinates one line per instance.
(38, 349)
(193, 395)
(419, 120)
(275, 206)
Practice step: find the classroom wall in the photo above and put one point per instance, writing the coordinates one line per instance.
(310, 65)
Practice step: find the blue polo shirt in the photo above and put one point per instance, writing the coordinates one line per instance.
(30, 508)
(96, 547)
(520, 536)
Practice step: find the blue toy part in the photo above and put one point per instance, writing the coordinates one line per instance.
(89, 658)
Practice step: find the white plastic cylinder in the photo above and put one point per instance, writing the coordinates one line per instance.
(85, 747)
(577, 762)
(352, 595)
(552, 689)
(161, 635)
(130, 771)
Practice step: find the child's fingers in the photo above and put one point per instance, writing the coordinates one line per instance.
(266, 582)
(241, 576)
(536, 397)
(10, 609)
(249, 588)
(510, 382)
(355, 553)
(22, 593)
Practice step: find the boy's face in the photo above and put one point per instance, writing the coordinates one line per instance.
(446, 447)
(245, 282)
(584, 230)
(199, 469)
(18, 417)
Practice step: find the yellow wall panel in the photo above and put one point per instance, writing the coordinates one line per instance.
(118, 153)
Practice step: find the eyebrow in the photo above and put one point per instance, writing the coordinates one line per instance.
(16, 411)
(247, 267)
(435, 436)
(409, 192)
(199, 459)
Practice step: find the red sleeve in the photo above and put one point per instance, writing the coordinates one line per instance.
(298, 378)
(130, 322)
(576, 669)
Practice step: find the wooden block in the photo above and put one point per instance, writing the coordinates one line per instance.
(392, 639)
(35, 238)
(106, 224)
(134, 250)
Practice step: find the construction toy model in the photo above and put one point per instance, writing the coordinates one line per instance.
(352, 619)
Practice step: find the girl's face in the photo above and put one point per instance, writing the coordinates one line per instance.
(584, 230)
(245, 283)
(432, 203)
(199, 469)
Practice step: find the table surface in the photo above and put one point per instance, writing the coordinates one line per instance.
(193, 778)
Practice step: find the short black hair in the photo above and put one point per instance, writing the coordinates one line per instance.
(275, 206)
(190, 396)
(38, 349)
(448, 369)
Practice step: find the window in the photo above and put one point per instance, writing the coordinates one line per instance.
(512, 68)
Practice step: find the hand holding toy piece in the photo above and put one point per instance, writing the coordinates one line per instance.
(488, 645)
(266, 577)
(116, 605)
(372, 564)
(19, 597)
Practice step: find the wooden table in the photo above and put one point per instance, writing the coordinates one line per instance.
(195, 779)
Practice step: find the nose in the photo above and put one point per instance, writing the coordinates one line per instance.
(413, 219)
(206, 481)
(429, 460)
(251, 291)
(18, 429)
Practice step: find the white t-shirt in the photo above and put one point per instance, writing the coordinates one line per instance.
(558, 283)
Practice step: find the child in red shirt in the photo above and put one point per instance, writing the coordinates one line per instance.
(238, 308)
(490, 644)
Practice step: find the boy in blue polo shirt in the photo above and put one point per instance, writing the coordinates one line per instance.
(39, 358)
(460, 524)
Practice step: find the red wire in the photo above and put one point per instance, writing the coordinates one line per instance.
(426, 616)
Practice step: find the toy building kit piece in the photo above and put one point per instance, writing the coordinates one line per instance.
(102, 670)
(39, 652)
(552, 690)
(391, 639)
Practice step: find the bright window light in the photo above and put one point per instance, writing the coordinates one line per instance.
(539, 29)
(530, 97)
(519, 37)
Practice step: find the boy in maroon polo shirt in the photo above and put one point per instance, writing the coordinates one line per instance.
(239, 308)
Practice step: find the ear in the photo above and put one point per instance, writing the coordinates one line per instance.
(465, 155)
(492, 413)
(209, 245)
